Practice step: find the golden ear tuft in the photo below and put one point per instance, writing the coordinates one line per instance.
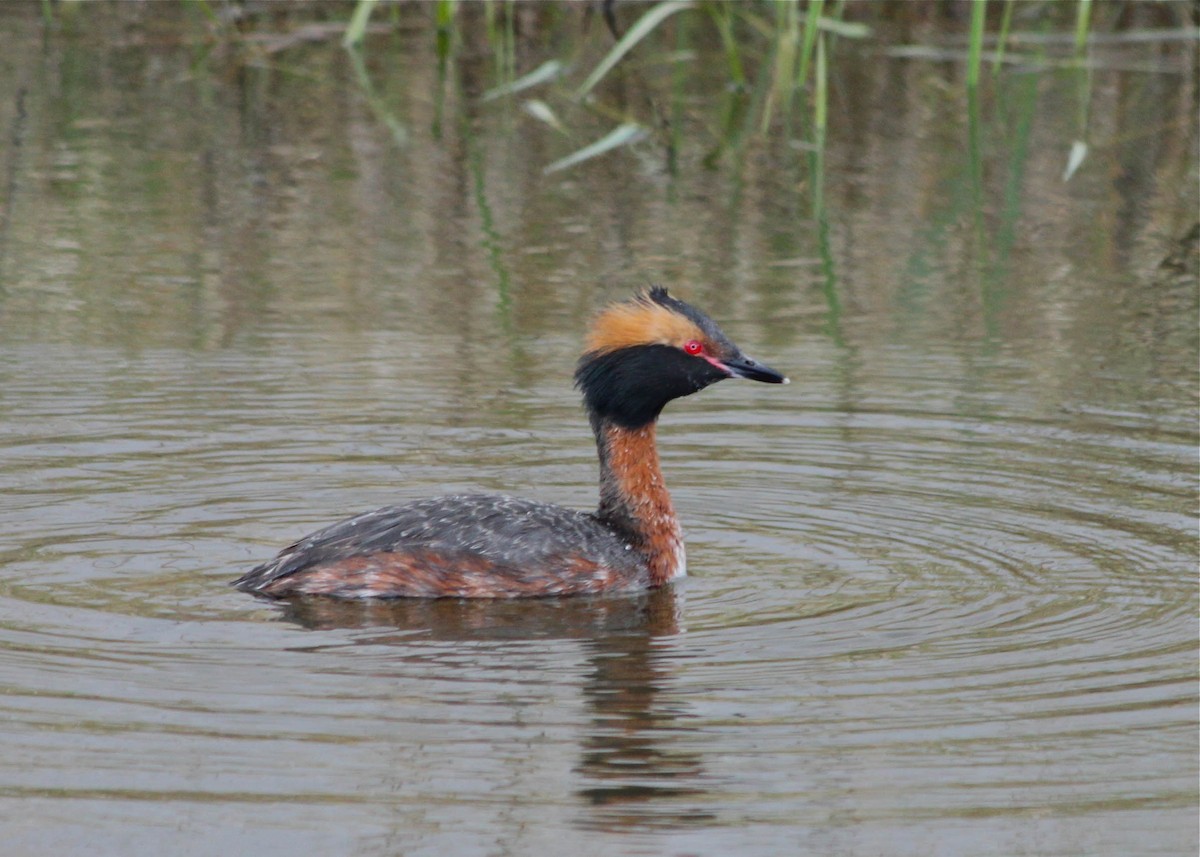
(640, 321)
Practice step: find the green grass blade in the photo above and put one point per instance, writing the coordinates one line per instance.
(443, 16)
(547, 71)
(820, 114)
(677, 109)
(975, 47)
(724, 23)
(622, 135)
(820, 105)
(812, 22)
(358, 23)
(1002, 37)
(1083, 16)
(644, 26)
(783, 85)
(378, 107)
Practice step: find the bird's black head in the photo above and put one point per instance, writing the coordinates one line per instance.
(645, 352)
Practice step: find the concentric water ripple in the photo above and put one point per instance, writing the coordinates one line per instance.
(1005, 595)
(894, 614)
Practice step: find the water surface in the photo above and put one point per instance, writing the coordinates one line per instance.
(943, 595)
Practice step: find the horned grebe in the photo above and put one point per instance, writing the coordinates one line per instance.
(640, 354)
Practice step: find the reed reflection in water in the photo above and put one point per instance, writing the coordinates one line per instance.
(943, 594)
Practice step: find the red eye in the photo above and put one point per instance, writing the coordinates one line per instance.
(693, 346)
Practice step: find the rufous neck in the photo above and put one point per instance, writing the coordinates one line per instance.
(634, 498)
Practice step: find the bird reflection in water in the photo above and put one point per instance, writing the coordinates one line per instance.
(629, 774)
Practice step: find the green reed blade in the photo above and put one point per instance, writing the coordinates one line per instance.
(376, 104)
(1083, 17)
(1002, 37)
(812, 23)
(358, 23)
(623, 135)
(820, 113)
(975, 47)
(644, 26)
(544, 73)
(719, 12)
(783, 87)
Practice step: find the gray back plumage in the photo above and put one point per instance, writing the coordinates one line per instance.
(508, 531)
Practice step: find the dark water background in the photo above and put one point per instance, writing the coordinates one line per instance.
(943, 596)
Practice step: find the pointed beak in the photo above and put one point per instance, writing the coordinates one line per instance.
(745, 367)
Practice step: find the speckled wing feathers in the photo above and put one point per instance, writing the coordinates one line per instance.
(462, 545)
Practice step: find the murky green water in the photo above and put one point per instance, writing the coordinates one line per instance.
(943, 594)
